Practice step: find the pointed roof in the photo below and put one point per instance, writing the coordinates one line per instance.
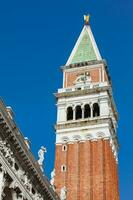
(85, 48)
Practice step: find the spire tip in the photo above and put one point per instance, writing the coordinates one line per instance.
(86, 19)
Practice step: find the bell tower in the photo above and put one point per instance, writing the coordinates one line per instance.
(86, 157)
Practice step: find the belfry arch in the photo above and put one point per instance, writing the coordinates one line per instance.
(78, 112)
(96, 110)
(69, 113)
(87, 111)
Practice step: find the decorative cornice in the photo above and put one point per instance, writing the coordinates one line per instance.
(84, 123)
(82, 64)
(82, 92)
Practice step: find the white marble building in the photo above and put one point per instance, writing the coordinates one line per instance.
(21, 176)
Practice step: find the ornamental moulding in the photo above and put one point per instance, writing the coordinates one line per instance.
(82, 92)
(82, 123)
(87, 63)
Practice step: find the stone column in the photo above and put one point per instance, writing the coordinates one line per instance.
(82, 107)
(91, 107)
(74, 113)
(2, 182)
(14, 194)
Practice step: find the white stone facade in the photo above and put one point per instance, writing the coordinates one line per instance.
(21, 176)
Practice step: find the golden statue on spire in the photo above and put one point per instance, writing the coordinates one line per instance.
(86, 19)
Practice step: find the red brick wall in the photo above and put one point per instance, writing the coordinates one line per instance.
(97, 163)
(84, 160)
(72, 171)
(60, 160)
(91, 171)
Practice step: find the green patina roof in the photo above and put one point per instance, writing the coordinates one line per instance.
(85, 50)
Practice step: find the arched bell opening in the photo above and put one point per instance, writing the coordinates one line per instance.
(78, 111)
(69, 113)
(87, 111)
(96, 110)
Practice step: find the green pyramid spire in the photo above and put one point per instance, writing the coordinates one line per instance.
(85, 48)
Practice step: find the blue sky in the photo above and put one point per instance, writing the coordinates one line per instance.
(36, 38)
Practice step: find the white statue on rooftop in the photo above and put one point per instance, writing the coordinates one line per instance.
(41, 154)
(27, 142)
(52, 178)
(63, 193)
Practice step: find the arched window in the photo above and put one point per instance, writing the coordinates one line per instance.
(96, 110)
(64, 148)
(78, 112)
(87, 111)
(63, 168)
(69, 113)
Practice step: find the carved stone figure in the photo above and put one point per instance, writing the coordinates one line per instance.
(83, 78)
(12, 159)
(21, 175)
(38, 197)
(63, 193)
(5, 149)
(27, 142)
(27, 182)
(41, 153)
(2, 143)
(14, 184)
(52, 179)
